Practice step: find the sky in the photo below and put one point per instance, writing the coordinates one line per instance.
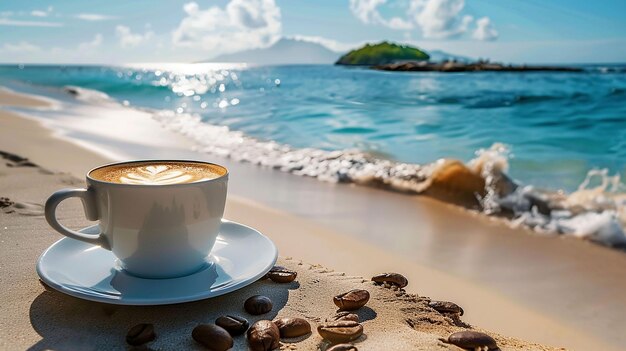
(121, 31)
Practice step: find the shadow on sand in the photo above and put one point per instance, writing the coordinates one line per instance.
(69, 323)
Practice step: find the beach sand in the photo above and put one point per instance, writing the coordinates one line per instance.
(36, 317)
(296, 235)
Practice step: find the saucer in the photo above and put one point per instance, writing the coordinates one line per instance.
(240, 257)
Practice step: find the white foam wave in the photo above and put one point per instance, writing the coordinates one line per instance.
(332, 166)
(595, 213)
(87, 95)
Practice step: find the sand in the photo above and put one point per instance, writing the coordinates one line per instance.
(30, 139)
(36, 317)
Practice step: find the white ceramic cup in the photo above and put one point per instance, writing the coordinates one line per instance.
(155, 231)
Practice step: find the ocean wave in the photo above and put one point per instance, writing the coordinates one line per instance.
(87, 95)
(596, 211)
(496, 99)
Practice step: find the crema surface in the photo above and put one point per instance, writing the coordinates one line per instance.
(158, 173)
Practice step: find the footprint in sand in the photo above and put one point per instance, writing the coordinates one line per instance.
(16, 161)
(22, 208)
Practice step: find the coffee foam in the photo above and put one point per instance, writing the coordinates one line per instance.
(158, 173)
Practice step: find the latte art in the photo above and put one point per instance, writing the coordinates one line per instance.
(158, 173)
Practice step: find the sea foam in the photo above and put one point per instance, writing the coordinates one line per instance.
(595, 211)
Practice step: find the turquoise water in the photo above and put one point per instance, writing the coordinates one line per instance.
(558, 126)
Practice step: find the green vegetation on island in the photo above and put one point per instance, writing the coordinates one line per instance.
(382, 53)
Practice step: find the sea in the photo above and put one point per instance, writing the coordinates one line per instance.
(559, 136)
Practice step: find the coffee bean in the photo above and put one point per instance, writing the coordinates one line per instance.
(343, 347)
(344, 316)
(281, 274)
(263, 336)
(140, 334)
(292, 327)
(470, 339)
(213, 337)
(258, 304)
(234, 325)
(352, 300)
(446, 307)
(341, 331)
(391, 278)
(274, 269)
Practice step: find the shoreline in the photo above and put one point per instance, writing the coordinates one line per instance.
(594, 211)
(313, 225)
(478, 66)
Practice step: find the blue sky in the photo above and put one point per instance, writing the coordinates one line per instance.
(116, 31)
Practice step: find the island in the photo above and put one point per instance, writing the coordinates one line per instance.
(382, 53)
(387, 56)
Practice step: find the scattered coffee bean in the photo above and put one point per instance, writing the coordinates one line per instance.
(292, 327)
(263, 336)
(213, 337)
(352, 300)
(470, 339)
(344, 316)
(258, 304)
(140, 334)
(281, 274)
(234, 325)
(446, 307)
(275, 268)
(340, 331)
(343, 347)
(391, 278)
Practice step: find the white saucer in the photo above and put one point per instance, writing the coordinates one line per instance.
(241, 256)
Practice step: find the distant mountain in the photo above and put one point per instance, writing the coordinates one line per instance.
(284, 51)
(439, 56)
(382, 53)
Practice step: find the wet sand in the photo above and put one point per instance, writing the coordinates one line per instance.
(559, 292)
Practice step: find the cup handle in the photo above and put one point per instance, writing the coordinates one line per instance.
(91, 213)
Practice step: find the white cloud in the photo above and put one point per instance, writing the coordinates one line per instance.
(485, 30)
(18, 23)
(436, 19)
(39, 13)
(42, 13)
(22, 46)
(94, 17)
(92, 44)
(440, 18)
(241, 24)
(398, 23)
(328, 43)
(129, 39)
(367, 12)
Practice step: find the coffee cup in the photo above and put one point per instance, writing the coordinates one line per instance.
(160, 218)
